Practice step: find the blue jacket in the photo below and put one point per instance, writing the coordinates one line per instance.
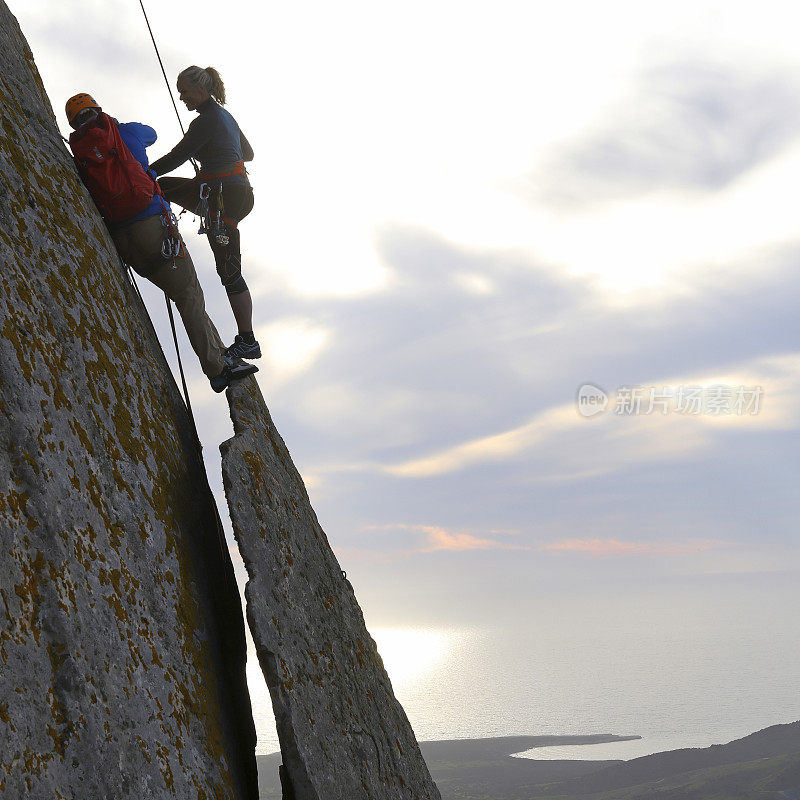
(137, 138)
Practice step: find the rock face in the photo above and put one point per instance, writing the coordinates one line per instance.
(122, 647)
(343, 734)
(121, 634)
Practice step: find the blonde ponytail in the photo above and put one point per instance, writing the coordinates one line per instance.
(208, 78)
(217, 89)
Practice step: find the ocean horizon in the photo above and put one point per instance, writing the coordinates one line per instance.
(679, 671)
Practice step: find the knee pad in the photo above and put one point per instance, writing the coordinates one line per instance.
(237, 287)
(230, 273)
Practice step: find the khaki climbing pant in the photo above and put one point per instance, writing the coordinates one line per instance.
(139, 244)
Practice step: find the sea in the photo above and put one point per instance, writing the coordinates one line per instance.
(676, 671)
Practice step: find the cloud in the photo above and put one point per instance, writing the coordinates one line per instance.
(436, 538)
(291, 345)
(688, 124)
(614, 547)
(572, 447)
(496, 447)
(567, 447)
(443, 539)
(426, 381)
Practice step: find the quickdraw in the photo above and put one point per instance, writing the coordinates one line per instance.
(211, 223)
(202, 207)
(218, 230)
(172, 245)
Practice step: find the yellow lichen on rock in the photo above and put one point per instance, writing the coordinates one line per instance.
(120, 622)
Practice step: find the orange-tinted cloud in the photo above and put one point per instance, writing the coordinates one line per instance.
(438, 538)
(443, 539)
(614, 547)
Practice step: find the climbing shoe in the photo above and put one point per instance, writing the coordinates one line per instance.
(243, 349)
(232, 371)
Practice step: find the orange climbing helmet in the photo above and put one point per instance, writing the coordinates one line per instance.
(78, 103)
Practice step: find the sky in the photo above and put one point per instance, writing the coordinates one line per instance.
(465, 212)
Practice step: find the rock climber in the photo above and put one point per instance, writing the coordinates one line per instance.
(216, 141)
(113, 164)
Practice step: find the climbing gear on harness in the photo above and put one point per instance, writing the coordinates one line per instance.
(77, 103)
(232, 371)
(202, 207)
(117, 182)
(242, 349)
(211, 222)
(218, 230)
(172, 246)
(219, 233)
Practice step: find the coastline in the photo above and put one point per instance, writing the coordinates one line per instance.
(487, 760)
(487, 769)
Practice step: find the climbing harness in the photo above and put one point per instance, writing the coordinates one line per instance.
(238, 169)
(214, 224)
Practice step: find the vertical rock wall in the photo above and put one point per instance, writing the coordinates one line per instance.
(121, 634)
(343, 734)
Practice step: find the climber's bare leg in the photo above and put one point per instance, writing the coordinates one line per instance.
(242, 307)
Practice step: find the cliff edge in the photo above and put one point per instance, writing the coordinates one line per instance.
(122, 646)
(343, 734)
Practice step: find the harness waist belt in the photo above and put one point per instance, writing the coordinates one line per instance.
(238, 169)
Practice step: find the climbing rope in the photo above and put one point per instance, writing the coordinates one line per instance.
(166, 297)
(177, 350)
(163, 71)
(166, 80)
(220, 530)
(167, 215)
(172, 249)
(218, 521)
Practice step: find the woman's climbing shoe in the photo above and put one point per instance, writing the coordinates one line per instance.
(232, 371)
(243, 349)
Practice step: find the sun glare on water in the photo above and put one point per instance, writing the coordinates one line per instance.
(408, 653)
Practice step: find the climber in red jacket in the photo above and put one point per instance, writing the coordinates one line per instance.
(113, 164)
